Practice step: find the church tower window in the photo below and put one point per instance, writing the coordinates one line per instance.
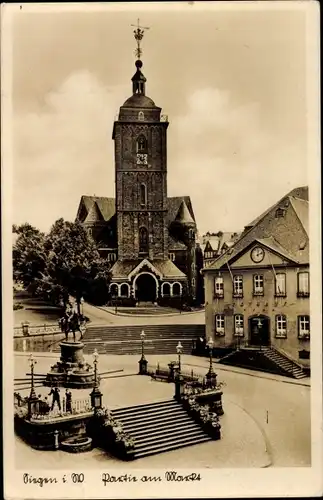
(142, 157)
(143, 195)
(141, 144)
(143, 240)
(141, 116)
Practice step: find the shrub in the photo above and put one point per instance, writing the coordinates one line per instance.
(17, 306)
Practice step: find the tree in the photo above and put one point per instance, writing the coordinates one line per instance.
(29, 255)
(74, 265)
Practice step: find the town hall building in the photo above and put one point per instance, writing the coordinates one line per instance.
(149, 238)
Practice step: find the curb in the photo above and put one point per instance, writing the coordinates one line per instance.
(257, 375)
(167, 315)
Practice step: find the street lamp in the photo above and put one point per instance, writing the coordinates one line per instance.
(142, 337)
(179, 350)
(143, 362)
(211, 376)
(32, 363)
(32, 400)
(96, 395)
(82, 303)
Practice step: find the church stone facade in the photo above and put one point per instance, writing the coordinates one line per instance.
(149, 238)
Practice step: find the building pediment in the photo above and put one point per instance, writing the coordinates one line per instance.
(262, 253)
(145, 265)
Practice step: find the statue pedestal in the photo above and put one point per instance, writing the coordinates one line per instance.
(72, 370)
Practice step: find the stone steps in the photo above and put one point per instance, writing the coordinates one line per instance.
(159, 427)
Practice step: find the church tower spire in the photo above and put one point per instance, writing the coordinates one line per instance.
(138, 79)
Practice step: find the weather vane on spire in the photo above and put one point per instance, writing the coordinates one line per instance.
(139, 34)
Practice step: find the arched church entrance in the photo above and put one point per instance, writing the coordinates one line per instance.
(146, 287)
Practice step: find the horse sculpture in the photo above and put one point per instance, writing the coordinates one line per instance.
(71, 323)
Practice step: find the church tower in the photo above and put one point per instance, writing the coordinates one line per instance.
(140, 140)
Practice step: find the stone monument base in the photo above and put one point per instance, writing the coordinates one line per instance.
(72, 370)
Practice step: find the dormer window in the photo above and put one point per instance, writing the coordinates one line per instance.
(280, 212)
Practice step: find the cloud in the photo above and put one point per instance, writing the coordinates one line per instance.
(219, 152)
(65, 150)
(232, 166)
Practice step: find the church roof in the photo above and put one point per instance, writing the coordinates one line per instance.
(106, 207)
(183, 215)
(173, 204)
(122, 269)
(139, 101)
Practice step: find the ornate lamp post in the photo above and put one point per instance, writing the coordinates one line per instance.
(179, 384)
(32, 400)
(96, 395)
(82, 306)
(211, 376)
(179, 350)
(143, 362)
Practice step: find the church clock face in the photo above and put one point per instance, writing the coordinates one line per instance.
(257, 254)
(142, 159)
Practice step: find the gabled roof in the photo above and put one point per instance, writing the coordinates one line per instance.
(300, 192)
(272, 244)
(164, 268)
(289, 239)
(105, 205)
(301, 209)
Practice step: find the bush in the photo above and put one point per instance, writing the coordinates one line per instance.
(17, 306)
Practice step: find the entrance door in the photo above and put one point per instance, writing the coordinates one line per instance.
(146, 288)
(259, 332)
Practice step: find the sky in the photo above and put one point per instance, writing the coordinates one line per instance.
(232, 82)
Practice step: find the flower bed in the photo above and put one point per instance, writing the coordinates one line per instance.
(109, 434)
(207, 419)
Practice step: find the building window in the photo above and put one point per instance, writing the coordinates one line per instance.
(193, 281)
(111, 257)
(238, 325)
(143, 195)
(280, 212)
(218, 287)
(176, 289)
(114, 290)
(219, 324)
(143, 240)
(281, 327)
(258, 284)
(166, 290)
(172, 257)
(141, 116)
(237, 286)
(303, 327)
(89, 231)
(303, 289)
(141, 144)
(124, 291)
(280, 285)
